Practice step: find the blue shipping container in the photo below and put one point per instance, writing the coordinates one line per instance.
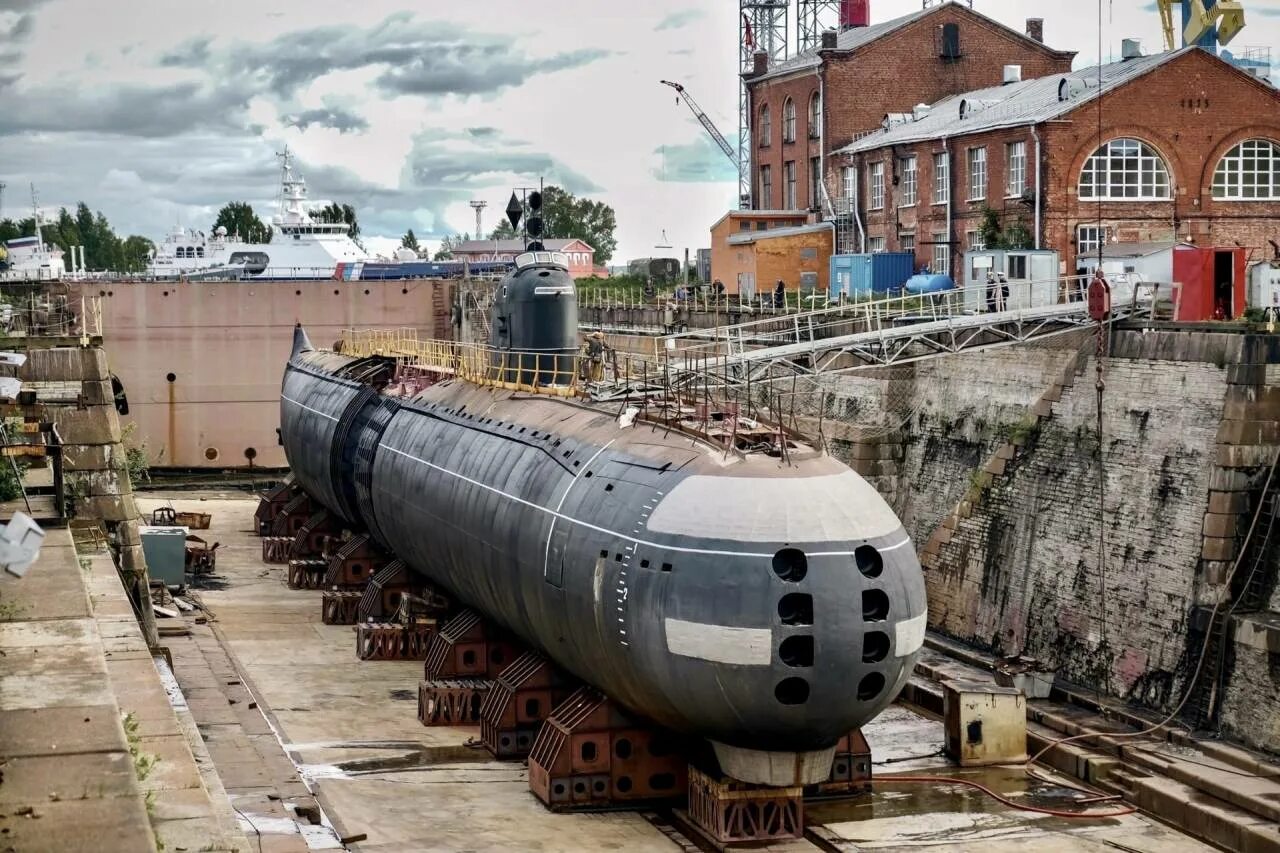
(860, 276)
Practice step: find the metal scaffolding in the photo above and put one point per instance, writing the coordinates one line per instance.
(814, 16)
(762, 26)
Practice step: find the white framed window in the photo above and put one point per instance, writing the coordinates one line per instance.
(766, 126)
(977, 174)
(974, 239)
(877, 186)
(941, 177)
(941, 254)
(1249, 172)
(909, 181)
(789, 120)
(907, 242)
(875, 244)
(1090, 238)
(1125, 170)
(849, 182)
(789, 185)
(766, 191)
(1016, 169)
(815, 116)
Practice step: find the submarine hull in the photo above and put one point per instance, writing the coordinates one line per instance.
(769, 606)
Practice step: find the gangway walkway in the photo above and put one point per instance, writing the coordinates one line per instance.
(898, 330)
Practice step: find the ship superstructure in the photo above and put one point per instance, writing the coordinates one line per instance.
(301, 247)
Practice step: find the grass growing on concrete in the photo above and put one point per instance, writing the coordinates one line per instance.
(9, 610)
(143, 764)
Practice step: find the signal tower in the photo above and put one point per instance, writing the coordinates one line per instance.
(762, 26)
(813, 17)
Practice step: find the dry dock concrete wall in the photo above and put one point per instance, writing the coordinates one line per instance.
(993, 462)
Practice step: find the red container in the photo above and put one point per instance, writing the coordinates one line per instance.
(855, 13)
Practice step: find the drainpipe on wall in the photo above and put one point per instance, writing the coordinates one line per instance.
(946, 149)
(857, 217)
(1036, 134)
(822, 130)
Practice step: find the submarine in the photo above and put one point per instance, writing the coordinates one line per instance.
(762, 596)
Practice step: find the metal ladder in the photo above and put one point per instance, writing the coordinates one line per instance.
(1250, 590)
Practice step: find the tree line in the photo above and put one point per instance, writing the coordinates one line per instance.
(103, 248)
(565, 217)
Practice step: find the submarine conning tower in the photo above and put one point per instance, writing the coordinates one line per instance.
(534, 338)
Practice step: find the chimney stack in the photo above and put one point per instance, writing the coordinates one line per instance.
(854, 13)
(759, 63)
(1035, 29)
(1130, 49)
(829, 38)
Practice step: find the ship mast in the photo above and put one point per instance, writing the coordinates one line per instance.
(35, 217)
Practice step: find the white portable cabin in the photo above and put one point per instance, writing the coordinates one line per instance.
(1264, 285)
(1032, 276)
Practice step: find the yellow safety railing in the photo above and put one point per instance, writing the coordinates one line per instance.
(552, 373)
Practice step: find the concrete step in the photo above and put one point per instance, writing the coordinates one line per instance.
(1206, 817)
(1079, 760)
(1257, 795)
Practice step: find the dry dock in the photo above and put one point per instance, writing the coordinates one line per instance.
(290, 714)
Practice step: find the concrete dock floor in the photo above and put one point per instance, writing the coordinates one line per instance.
(351, 732)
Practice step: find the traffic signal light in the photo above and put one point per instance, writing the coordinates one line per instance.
(534, 225)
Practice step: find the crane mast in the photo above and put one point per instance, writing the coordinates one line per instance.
(707, 124)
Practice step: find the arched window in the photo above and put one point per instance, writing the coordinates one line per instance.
(766, 126)
(815, 116)
(1125, 170)
(789, 120)
(1249, 172)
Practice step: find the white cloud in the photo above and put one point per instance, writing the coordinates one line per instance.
(567, 90)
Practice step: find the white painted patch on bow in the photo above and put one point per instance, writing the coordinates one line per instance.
(909, 635)
(720, 643)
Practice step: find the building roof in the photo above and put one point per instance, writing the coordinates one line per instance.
(851, 39)
(467, 246)
(1012, 105)
(762, 214)
(742, 238)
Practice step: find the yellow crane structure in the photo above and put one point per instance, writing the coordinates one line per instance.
(1225, 18)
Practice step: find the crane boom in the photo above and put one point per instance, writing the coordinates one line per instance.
(1166, 22)
(705, 122)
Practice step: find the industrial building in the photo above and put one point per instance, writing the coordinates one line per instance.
(1183, 146)
(806, 107)
(581, 256)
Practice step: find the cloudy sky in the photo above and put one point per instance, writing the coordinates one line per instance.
(157, 112)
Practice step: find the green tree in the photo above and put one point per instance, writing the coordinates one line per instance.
(335, 212)
(593, 222)
(445, 252)
(410, 241)
(989, 229)
(9, 230)
(135, 254)
(239, 219)
(504, 231)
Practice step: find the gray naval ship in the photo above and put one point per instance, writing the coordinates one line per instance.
(766, 599)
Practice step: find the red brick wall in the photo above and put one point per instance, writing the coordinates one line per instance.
(1192, 110)
(892, 74)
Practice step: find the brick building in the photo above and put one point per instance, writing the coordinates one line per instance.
(733, 254)
(1188, 149)
(822, 100)
(581, 256)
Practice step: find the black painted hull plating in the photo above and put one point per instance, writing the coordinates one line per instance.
(548, 517)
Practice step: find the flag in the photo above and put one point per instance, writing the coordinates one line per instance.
(748, 37)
